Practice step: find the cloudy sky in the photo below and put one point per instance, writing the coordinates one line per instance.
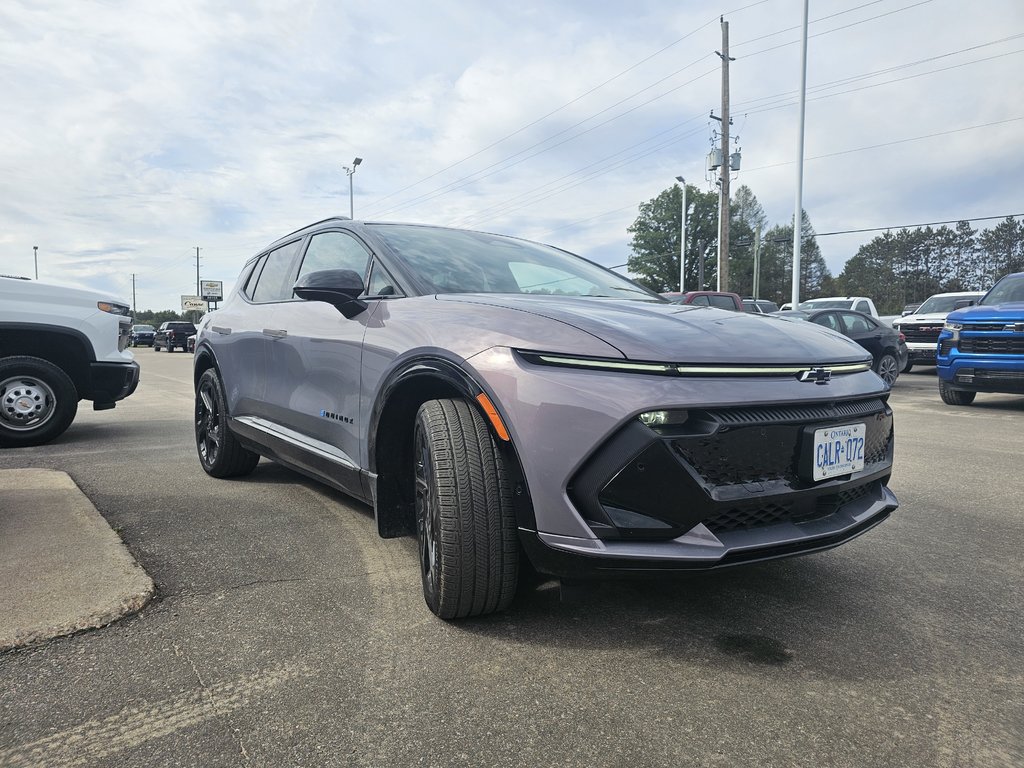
(133, 132)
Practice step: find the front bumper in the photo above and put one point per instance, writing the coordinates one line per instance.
(110, 382)
(732, 484)
(922, 353)
(973, 371)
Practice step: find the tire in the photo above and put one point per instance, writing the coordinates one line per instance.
(952, 396)
(170, 348)
(465, 524)
(220, 453)
(888, 368)
(908, 367)
(38, 401)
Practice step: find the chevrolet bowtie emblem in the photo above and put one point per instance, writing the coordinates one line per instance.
(817, 375)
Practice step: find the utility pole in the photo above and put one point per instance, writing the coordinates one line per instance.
(35, 258)
(133, 293)
(723, 210)
(798, 215)
(682, 238)
(197, 272)
(757, 262)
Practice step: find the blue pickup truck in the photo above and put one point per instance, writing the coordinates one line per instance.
(981, 347)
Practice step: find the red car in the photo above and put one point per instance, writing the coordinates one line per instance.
(720, 299)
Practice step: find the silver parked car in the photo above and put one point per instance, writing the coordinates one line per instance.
(507, 401)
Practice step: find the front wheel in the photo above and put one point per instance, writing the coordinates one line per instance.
(220, 453)
(38, 401)
(952, 396)
(888, 368)
(469, 552)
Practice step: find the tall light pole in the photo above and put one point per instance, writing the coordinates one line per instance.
(682, 238)
(798, 215)
(35, 258)
(351, 172)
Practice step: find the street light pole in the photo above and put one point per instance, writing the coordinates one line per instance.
(351, 172)
(682, 238)
(35, 258)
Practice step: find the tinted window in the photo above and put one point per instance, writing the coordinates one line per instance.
(700, 301)
(862, 306)
(455, 261)
(724, 302)
(380, 282)
(335, 250)
(254, 273)
(856, 323)
(275, 280)
(828, 320)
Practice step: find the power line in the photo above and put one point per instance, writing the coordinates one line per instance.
(915, 226)
(890, 143)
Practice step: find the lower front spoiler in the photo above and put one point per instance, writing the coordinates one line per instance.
(699, 549)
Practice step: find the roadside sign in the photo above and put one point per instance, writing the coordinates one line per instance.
(213, 290)
(193, 304)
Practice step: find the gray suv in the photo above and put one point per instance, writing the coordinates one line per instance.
(505, 401)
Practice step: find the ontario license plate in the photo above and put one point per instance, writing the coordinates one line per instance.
(838, 450)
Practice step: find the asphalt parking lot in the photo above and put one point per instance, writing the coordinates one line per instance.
(284, 632)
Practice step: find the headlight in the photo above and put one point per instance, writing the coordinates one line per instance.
(953, 327)
(112, 308)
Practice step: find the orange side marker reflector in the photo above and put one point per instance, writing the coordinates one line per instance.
(492, 414)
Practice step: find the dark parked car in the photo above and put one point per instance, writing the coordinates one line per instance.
(505, 401)
(888, 347)
(172, 334)
(760, 306)
(141, 336)
(720, 299)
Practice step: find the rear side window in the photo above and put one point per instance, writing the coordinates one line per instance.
(275, 279)
(701, 301)
(862, 306)
(723, 302)
(856, 323)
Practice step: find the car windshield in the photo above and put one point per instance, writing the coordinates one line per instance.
(143, 328)
(945, 304)
(455, 261)
(1009, 289)
(827, 304)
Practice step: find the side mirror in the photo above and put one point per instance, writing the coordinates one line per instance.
(964, 303)
(340, 288)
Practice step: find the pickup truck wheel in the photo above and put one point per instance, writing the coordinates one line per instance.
(220, 453)
(888, 368)
(38, 401)
(170, 347)
(468, 546)
(952, 396)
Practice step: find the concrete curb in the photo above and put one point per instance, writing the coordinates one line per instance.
(62, 568)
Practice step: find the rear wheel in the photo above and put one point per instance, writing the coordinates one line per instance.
(888, 368)
(38, 401)
(908, 367)
(952, 396)
(220, 453)
(468, 547)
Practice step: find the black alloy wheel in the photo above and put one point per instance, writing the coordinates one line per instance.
(220, 453)
(468, 545)
(888, 368)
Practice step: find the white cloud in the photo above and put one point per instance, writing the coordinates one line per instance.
(134, 132)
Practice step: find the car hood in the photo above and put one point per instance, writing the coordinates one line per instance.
(1012, 311)
(927, 319)
(682, 333)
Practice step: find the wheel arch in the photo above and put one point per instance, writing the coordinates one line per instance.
(67, 348)
(391, 424)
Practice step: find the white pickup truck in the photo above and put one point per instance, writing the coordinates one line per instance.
(58, 346)
(856, 303)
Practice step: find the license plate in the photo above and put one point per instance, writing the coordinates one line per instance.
(838, 450)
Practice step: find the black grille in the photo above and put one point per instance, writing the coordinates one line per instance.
(985, 327)
(759, 454)
(783, 414)
(754, 517)
(921, 334)
(757, 516)
(1003, 345)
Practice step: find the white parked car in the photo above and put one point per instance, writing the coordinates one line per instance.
(923, 327)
